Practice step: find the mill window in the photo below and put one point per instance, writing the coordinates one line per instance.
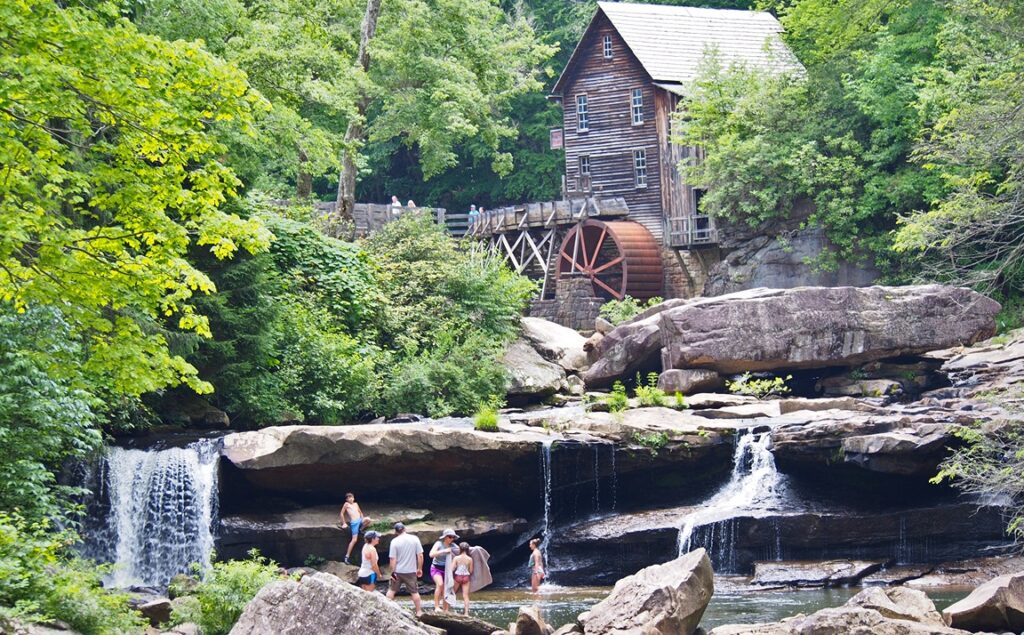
(585, 165)
(637, 106)
(607, 47)
(582, 114)
(640, 167)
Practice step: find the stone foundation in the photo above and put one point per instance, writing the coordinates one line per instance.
(686, 271)
(574, 306)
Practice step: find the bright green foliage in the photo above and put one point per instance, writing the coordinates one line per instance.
(680, 401)
(486, 417)
(989, 463)
(617, 399)
(839, 136)
(619, 311)
(648, 394)
(445, 73)
(298, 56)
(110, 173)
(41, 580)
(43, 420)
(975, 142)
(760, 387)
(221, 597)
(653, 441)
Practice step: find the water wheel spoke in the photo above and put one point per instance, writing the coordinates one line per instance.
(599, 282)
(610, 263)
(597, 249)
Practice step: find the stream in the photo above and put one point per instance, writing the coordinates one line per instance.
(734, 602)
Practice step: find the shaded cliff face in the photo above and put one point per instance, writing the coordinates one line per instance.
(778, 255)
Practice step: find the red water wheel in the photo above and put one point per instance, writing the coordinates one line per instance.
(619, 257)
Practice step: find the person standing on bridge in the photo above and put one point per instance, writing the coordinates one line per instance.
(474, 214)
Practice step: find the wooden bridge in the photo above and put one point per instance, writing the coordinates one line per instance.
(370, 217)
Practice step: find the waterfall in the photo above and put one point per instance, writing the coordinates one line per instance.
(597, 478)
(615, 479)
(162, 512)
(545, 466)
(754, 484)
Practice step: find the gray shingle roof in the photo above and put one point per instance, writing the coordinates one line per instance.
(671, 41)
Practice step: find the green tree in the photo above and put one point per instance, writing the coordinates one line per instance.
(110, 173)
(974, 140)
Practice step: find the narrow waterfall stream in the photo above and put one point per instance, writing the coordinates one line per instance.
(545, 466)
(159, 511)
(755, 484)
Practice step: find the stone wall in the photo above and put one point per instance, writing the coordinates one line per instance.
(574, 306)
(686, 271)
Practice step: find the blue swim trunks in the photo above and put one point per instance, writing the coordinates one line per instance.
(370, 579)
(354, 524)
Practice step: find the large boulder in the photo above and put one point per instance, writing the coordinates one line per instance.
(556, 343)
(818, 327)
(876, 611)
(531, 377)
(667, 599)
(689, 381)
(829, 573)
(457, 624)
(321, 603)
(406, 461)
(997, 605)
(628, 348)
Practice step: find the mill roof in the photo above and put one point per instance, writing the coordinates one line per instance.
(671, 41)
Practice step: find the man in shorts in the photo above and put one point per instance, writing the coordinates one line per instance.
(406, 556)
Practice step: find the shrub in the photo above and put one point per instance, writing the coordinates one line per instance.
(619, 311)
(222, 596)
(486, 418)
(761, 388)
(653, 441)
(681, 401)
(41, 579)
(617, 400)
(649, 394)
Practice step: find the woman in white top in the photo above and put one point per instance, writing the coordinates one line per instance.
(369, 570)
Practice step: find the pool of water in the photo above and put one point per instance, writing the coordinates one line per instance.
(734, 602)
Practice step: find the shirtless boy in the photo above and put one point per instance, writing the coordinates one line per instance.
(355, 520)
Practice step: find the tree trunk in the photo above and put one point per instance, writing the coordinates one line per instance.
(354, 134)
(304, 180)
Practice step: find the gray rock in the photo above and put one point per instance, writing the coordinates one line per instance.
(997, 605)
(667, 599)
(871, 612)
(530, 375)
(569, 629)
(157, 611)
(530, 622)
(818, 327)
(845, 386)
(188, 628)
(457, 624)
(603, 326)
(689, 381)
(829, 573)
(321, 603)
(555, 343)
(625, 350)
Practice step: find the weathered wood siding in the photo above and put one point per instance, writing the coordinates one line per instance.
(612, 137)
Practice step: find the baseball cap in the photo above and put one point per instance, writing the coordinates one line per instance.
(399, 527)
(371, 535)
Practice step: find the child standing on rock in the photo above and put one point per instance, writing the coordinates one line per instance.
(463, 564)
(355, 521)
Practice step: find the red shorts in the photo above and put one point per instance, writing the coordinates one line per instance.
(461, 579)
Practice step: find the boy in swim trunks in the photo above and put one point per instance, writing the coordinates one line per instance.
(355, 520)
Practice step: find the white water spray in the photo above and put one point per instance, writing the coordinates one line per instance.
(755, 483)
(545, 466)
(163, 512)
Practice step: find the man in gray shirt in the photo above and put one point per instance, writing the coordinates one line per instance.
(406, 555)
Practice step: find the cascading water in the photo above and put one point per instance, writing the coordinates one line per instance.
(162, 512)
(755, 484)
(545, 466)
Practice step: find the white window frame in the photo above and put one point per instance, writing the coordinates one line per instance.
(636, 106)
(582, 113)
(607, 47)
(640, 167)
(584, 165)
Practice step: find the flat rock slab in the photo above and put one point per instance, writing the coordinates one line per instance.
(818, 327)
(997, 605)
(829, 573)
(457, 624)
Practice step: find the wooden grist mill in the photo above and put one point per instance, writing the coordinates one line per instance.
(586, 239)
